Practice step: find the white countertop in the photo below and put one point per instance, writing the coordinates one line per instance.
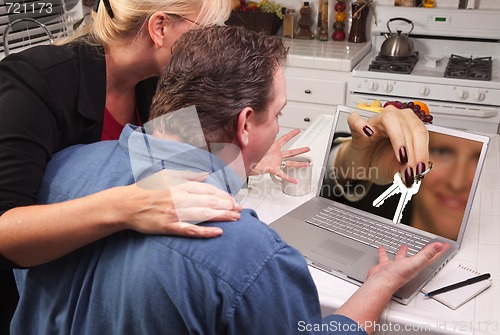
(480, 249)
(325, 55)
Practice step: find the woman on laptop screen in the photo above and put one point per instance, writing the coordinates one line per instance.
(367, 153)
(440, 204)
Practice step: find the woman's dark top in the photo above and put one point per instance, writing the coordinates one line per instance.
(51, 97)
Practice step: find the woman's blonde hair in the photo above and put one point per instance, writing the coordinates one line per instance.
(131, 15)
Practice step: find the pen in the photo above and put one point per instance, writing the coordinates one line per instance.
(459, 284)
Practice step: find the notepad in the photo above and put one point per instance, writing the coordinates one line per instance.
(454, 274)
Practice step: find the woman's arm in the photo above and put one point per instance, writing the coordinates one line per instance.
(39, 116)
(32, 235)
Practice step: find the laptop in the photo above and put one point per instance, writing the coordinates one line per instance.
(339, 230)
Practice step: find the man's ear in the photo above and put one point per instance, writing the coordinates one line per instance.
(246, 120)
(156, 28)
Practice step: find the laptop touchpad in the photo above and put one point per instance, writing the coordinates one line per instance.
(338, 252)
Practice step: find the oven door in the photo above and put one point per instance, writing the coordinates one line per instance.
(469, 117)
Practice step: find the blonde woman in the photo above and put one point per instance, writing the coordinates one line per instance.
(85, 90)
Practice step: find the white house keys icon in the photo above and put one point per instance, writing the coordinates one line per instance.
(397, 187)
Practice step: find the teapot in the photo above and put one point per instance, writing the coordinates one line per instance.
(398, 45)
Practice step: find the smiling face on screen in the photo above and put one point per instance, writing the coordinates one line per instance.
(440, 203)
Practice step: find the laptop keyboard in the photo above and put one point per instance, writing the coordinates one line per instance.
(365, 231)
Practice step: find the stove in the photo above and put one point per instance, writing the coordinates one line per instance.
(455, 70)
(402, 65)
(469, 68)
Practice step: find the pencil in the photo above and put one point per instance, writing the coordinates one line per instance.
(455, 286)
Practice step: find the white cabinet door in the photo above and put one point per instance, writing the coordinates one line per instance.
(301, 115)
(317, 86)
(320, 91)
(311, 93)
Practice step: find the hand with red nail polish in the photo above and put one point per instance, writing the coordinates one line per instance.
(387, 142)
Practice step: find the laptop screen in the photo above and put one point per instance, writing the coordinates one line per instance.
(443, 202)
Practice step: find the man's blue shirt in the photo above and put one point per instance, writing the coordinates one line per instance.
(247, 281)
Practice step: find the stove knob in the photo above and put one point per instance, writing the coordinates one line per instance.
(372, 86)
(387, 87)
(479, 96)
(462, 94)
(424, 91)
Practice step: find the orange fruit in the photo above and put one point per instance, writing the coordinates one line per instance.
(340, 16)
(235, 4)
(423, 106)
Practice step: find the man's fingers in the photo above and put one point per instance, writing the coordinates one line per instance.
(286, 177)
(430, 253)
(288, 136)
(295, 152)
(296, 164)
(403, 249)
(382, 255)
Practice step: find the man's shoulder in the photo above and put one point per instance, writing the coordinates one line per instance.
(251, 236)
(245, 248)
(84, 169)
(246, 237)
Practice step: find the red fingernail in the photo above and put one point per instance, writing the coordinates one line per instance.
(403, 157)
(420, 168)
(409, 176)
(368, 131)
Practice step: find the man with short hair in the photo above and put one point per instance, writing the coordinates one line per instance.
(215, 112)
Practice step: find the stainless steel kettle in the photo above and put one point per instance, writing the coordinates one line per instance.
(398, 45)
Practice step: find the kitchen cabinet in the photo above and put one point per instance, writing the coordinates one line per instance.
(317, 75)
(311, 93)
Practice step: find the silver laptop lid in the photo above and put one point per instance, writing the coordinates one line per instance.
(443, 203)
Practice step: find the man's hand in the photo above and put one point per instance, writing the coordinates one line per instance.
(271, 162)
(402, 269)
(367, 304)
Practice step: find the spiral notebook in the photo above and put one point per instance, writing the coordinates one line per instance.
(454, 274)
